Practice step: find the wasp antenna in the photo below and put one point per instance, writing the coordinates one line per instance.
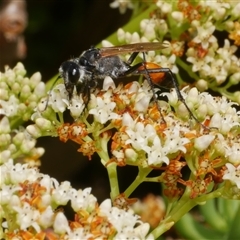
(50, 92)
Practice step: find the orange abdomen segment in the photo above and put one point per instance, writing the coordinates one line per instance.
(156, 77)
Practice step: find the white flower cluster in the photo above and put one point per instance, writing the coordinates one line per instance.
(29, 200)
(144, 137)
(19, 96)
(196, 25)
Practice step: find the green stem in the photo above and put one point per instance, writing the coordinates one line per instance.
(113, 180)
(111, 167)
(16, 122)
(141, 177)
(184, 205)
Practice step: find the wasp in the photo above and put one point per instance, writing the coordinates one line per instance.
(94, 64)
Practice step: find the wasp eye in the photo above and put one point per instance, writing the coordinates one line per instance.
(70, 71)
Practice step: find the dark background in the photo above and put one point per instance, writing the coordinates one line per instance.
(58, 30)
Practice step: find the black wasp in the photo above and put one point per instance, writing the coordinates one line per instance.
(97, 63)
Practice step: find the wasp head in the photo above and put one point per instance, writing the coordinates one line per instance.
(70, 72)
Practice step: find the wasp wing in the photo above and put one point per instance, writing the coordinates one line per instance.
(130, 48)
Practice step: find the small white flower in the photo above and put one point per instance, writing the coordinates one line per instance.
(18, 172)
(27, 217)
(172, 97)
(156, 153)
(127, 120)
(61, 194)
(121, 220)
(60, 224)
(7, 192)
(151, 56)
(76, 107)
(227, 50)
(82, 199)
(200, 64)
(205, 34)
(143, 97)
(233, 174)
(165, 7)
(174, 141)
(219, 70)
(46, 218)
(123, 5)
(228, 122)
(233, 153)
(103, 110)
(147, 27)
(140, 135)
(169, 63)
(48, 182)
(58, 98)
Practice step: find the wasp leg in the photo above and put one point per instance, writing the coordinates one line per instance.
(175, 85)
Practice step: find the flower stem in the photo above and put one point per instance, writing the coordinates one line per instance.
(113, 180)
(143, 172)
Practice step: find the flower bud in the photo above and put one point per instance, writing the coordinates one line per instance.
(121, 35)
(18, 138)
(60, 224)
(202, 85)
(27, 145)
(19, 69)
(35, 79)
(202, 111)
(203, 142)
(5, 139)
(40, 89)
(177, 16)
(34, 131)
(43, 124)
(235, 78)
(131, 155)
(193, 96)
(4, 156)
(216, 121)
(16, 88)
(26, 92)
(4, 125)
